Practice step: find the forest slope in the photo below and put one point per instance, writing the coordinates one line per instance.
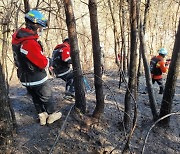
(103, 136)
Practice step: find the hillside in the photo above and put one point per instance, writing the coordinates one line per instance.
(82, 135)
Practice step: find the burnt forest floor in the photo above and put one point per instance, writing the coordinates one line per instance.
(75, 133)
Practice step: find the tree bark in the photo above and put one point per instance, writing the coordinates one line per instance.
(6, 120)
(80, 100)
(123, 55)
(152, 99)
(170, 85)
(26, 6)
(115, 31)
(97, 59)
(7, 117)
(133, 65)
(143, 50)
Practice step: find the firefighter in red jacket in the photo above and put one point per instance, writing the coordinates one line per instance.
(158, 67)
(62, 67)
(31, 64)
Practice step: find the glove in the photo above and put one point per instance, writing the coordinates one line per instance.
(168, 61)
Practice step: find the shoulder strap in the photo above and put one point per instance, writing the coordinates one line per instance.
(154, 70)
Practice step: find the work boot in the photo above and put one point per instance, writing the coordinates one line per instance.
(53, 117)
(69, 95)
(43, 117)
(69, 98)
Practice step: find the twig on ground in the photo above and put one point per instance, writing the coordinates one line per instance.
(168, 115)
(59, 132)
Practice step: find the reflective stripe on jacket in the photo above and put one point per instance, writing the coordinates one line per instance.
(29, 58)
(61, 59)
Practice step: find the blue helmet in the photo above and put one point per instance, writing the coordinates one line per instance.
(163, 51)
(36, 17)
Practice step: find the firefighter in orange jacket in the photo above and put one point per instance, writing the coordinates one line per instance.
(158, 67)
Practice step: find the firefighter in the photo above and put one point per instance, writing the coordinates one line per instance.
(32, 64)
(158, 67)
(62, 68)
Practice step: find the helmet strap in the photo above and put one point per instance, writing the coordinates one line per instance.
(31, 25)
(162, 55)
(40, 31)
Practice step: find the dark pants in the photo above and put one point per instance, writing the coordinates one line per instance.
(68, 78)
(42, 98)
(160, 83)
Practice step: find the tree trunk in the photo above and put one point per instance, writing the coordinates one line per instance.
(171, 80)
(152, 99)
(7, 117)
(133, 65)
(80, 102)
(6, 120)
(122, 58)
(143, 50)
(26, 6)
(115, 31)
(97, 59)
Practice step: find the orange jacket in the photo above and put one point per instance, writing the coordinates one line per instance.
(161, 65)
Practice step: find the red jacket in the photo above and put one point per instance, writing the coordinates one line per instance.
(65, 51)
(61, 59)
(161, 65)
(31, 48)
(29, 58)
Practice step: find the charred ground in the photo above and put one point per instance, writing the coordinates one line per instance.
(76, 133)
